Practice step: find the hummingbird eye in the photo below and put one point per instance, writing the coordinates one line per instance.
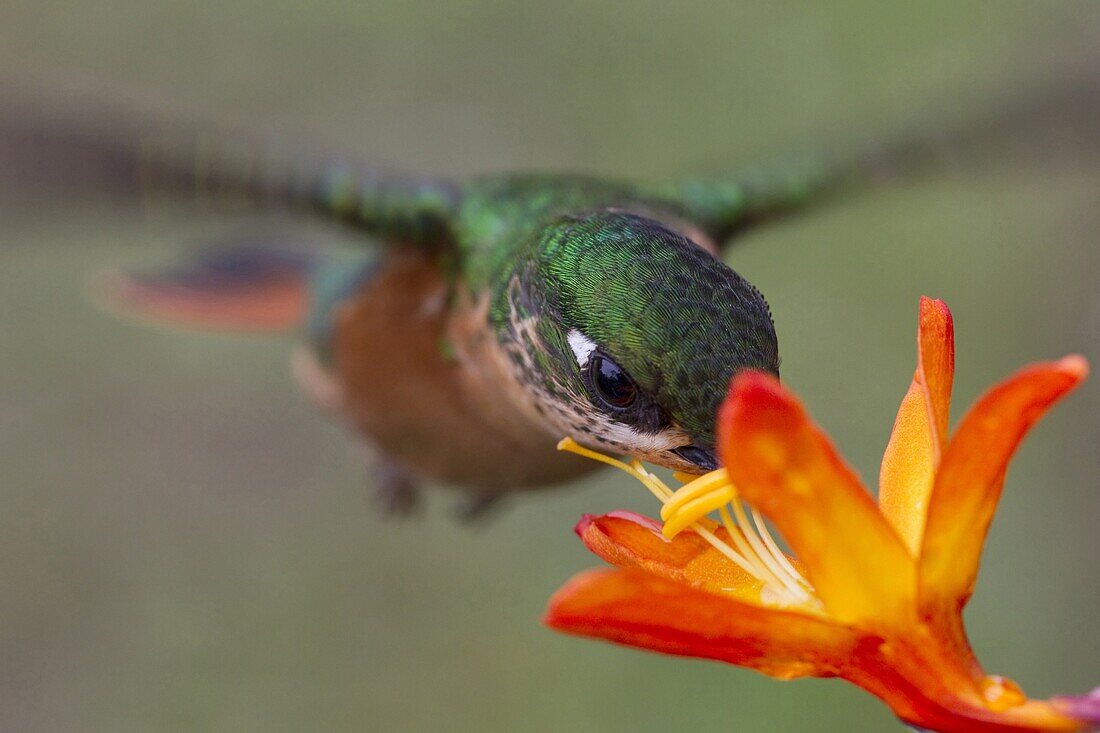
(612, 384)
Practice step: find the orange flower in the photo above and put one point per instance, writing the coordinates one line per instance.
(876, 593)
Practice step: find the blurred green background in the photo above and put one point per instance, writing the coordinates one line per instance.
(186, 545)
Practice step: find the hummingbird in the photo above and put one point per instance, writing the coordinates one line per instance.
(484, 319)
(481, 320)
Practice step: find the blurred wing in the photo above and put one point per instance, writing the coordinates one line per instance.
(72, 149)
(1054, 116)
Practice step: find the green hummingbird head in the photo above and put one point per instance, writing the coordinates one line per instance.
(625, 335)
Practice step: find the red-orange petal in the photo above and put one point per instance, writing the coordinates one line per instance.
(917, 677)
(630, 540)
(922, 682)
(643, 610)
(908, 468)
(971, 474)
(920, 429)
(936, 361)
(785, 466)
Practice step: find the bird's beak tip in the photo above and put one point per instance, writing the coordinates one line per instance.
(702, 458)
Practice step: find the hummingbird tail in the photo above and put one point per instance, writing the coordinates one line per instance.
(243, 287)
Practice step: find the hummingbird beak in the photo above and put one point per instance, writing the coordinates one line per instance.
(701, 457)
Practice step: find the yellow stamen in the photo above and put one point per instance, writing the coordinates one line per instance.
(655, 487)
(778, 554)
(759, 570)
(762, 549)
(690, 512)
(705, 484)
(757, 552)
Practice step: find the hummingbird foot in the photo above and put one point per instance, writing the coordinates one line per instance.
(396, 490)
(476, 507)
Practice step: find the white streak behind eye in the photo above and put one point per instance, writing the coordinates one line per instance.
(582, 346)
